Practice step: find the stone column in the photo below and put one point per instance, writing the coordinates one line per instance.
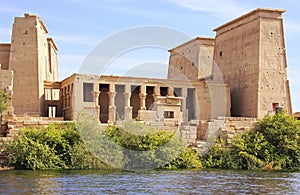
(170, 92)
(112, 108)
(127, 107)
(97, 106)
(143, 95)
(143, 101)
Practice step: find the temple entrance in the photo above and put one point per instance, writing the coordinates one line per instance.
(52, 111)
(190, 103)
(135, 100)
(104, 102)
(120, 102)
(149, 98)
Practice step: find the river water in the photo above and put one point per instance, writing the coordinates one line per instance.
(149, 182)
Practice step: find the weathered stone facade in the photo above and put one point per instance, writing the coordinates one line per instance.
(192, 60)
(236, 125)
(250, 53)
(33, 59)
(113, 99)
(241, 72)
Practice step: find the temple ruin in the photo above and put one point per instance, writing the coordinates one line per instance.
(241, 72)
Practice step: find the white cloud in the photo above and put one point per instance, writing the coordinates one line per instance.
(224, 9)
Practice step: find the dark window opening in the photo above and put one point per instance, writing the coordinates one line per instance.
(88, 89)
(135, 100)
(120, 88)
(163, 91)
(120, 102)
(168, 114)
(104, 102)
(190, 103)
(221, 53)
(275, 106)
(149, 97)
(104, 87)
(177, 92)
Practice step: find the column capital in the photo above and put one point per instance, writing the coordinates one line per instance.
(97, 93)
(111, 94)
(126, 94)
(143, 95)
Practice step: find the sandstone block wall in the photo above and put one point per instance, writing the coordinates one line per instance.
(4, 56)
(191, 60)
(234, 126)
(33, 60)
(250, 53)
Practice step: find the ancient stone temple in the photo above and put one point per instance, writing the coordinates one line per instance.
(31, 58)
(251, 55)
(241, 73)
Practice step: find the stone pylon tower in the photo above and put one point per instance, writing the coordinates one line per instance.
(192, 60)
(250, 53)
(33, 59)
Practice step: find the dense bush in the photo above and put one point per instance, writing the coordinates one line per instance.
(84, 145)
(146, 148)
(282, 131)
(57, 146)
(274, 145)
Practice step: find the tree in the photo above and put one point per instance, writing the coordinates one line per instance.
(275, 144)
(282, 131)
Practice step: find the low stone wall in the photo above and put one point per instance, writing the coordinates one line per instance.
(189, 133)
(222, 127)
(12, 125)
(236, 125)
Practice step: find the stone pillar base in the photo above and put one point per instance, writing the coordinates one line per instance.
(112, 115)
(128, 113)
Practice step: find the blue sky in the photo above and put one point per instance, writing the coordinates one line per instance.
(77, 26)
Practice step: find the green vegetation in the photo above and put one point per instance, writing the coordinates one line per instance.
(3, 101)
(86, 146)
(146, 148)
(57, 146)
(274, 145)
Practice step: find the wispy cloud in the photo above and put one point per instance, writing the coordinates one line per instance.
(123, 7)
(224, 9)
